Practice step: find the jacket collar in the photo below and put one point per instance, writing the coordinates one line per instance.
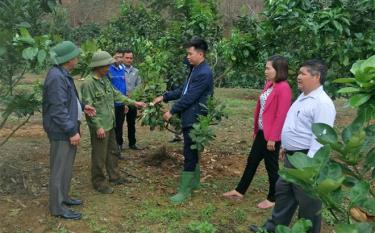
(64, 71)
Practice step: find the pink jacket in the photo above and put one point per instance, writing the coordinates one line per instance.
(275, 110)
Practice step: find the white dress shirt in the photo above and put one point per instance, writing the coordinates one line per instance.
(316, 107)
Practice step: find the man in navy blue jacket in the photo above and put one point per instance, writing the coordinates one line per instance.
(190, 96)
(62, 113)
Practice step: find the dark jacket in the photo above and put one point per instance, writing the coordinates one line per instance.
(200, 88)
(60, 106)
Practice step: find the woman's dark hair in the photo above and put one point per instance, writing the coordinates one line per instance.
(280, 64)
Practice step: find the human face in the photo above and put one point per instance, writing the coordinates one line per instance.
(270, 72)
(118, 58)
(128, 59)
(71, 64)
(195, 57)
(102, 71)
(306, 81)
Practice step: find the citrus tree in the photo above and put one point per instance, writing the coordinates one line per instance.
(336, 31)
(22, 50)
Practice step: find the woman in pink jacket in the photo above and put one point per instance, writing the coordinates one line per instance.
(270, 112)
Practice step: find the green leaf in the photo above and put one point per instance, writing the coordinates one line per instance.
(359, 99)
(306, 174)
(283, 229)
(350, 181)
(367, 111)
(359, 191)
(338, 26)
(324, 133)
(42, 56)
(356, 68)
(329, 185)
(300, 160)
(331, 170)
(347, 90)
(25, 33)
(302, 225)
(344, 80)
(24, 25)
(354, 228)
(2, 50)
(322, 155)
(370, 160)
(29, 53)
(353, 128)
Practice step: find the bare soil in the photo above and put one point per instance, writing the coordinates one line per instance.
(141, 205)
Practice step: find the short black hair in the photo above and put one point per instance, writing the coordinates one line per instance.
(316, 67)
(198, 44)
(280, 64)
(122, 50)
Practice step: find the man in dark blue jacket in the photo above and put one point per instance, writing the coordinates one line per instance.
(62, 112)
(191, 95)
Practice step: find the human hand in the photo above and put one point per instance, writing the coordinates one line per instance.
(75, 139)
(89, 110)
(158, 100)
(282, 154)
(167, 116)
(139, 104)
(271, 145)
(100, 133)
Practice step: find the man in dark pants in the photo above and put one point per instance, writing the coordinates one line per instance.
(116, 75)
(98, 91)
(312, 106)
(62, 112)
(191, 95)
(133, 80)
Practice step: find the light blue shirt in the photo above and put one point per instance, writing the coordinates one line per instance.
(316, 107)
(187, 83)
(133, 80)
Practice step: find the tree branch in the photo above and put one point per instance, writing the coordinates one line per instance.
(17, 128)
(222, 76)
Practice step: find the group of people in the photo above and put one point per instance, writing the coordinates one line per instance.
(280, 128)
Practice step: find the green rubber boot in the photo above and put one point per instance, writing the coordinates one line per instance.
(185, 188)
(196, 182)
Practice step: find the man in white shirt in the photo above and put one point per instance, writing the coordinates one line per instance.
(312, 106)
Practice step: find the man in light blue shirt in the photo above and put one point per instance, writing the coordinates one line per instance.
(312, 106)
(133, 80)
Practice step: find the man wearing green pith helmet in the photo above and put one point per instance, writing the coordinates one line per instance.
(98, 91)
(62, 113)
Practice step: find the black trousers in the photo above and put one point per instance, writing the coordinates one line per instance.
(131, 117)
(257, 154)
(119, 124)
(290, 196)
(190, 155)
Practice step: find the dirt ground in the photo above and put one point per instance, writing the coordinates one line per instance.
(142, 204)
